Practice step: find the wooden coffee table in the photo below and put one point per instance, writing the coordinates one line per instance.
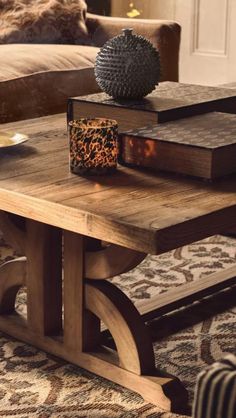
(137, 213)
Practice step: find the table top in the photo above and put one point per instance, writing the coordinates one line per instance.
(145, 211)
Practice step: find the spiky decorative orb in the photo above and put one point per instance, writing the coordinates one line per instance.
(127, 66)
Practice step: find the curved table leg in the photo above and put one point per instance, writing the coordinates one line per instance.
(134, 347)
(86, 303)
(111, 261)
(12, 278)
(14, 235)
(133, 343)
(12, 273)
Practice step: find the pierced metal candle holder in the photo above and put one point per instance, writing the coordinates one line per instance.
(93, 146)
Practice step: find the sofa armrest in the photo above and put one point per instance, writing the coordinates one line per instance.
(164, 35)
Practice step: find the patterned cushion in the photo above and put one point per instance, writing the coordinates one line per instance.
(43, 21)
(215, 395)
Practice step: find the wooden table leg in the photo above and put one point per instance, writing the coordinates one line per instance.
(44, 278)
(86, 304)
(133, 364)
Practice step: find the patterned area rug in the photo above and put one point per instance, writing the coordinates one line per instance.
(34, 384)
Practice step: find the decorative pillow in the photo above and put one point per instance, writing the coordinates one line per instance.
(43, 21)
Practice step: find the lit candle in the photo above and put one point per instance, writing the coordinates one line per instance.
(93, 145)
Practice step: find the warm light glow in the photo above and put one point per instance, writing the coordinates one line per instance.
(131, 143)
(93, 145)
(133, 12)
(97, 187)
(150, 150)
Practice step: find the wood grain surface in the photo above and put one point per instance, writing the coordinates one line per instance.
(147, 212)
(44, 278)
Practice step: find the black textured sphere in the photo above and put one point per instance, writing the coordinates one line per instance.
(127, 66)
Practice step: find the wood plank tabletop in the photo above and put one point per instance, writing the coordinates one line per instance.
(137, 209)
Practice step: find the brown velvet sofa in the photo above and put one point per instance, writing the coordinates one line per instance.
(37, 79)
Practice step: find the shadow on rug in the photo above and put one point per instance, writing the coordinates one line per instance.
(35, 384)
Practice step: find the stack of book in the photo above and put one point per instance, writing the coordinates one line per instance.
(202, 146)
(171, 129)
(169, 101)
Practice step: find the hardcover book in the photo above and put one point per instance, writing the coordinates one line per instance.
(203, 146)
(169, 101)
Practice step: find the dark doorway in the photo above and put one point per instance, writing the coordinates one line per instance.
(101, 7)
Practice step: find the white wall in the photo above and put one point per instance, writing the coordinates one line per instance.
(207, 53)
(161, 9)
(121, 7)
(152, 9)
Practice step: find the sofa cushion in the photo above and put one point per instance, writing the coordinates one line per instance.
(43, 21)
(36, 80)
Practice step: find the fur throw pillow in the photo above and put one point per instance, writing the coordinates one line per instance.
(43, 21)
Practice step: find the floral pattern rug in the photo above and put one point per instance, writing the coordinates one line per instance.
(35, 384)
